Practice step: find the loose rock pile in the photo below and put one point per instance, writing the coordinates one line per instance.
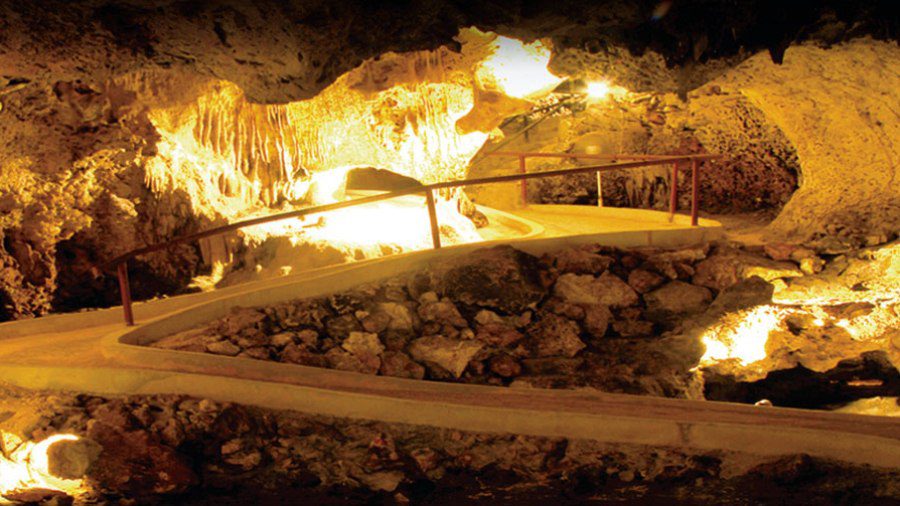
(581, 317)
(171, 449)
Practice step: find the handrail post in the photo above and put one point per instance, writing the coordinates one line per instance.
(599, 189)
(695, 191)
(524, 183)
(673, 193)
(125, 292)
(432, 218)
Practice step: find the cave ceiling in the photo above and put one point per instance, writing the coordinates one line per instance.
(282, 51)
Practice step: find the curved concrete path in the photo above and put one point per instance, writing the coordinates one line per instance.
(93, 352)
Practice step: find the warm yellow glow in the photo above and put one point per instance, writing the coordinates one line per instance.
(598, 89)
(743, 336)
(518, 69)
(601, 90)
(27, 467)
(236, 160)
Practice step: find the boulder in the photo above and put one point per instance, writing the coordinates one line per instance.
(642, 280)
(399, 365)
(676, 299)
(282, 339)
(71, 459)
(607, 290)
(400, 318)
(308, 338)
(486, 317)
(346, 361)
(134, 463)
(363, 344)
(498, 334)
(443, 312)
(596, 320)
(296, 354)
(375, 322)
(341, 326)
(501, 278)
(579, 261)
(505, 366)
(727, 266)
(224, 347)
(555, 336)
(452, 355)
(811, 265)
(239, 319)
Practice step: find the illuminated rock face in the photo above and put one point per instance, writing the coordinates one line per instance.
(838, 108)
(110, 117)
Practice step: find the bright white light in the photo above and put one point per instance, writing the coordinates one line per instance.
(598, 89)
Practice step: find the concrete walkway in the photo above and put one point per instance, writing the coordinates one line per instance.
(93, 352)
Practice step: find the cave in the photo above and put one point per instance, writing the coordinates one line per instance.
(449, 252)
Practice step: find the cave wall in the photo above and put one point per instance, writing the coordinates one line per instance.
(73, 196)
(758, 172)
(278, 51)
(77, 78)
(839, 108)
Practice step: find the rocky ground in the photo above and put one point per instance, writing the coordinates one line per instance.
(634, 321)
(174, 449)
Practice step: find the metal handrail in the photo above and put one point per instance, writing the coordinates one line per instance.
(121, 262)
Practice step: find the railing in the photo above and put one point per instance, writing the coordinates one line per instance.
(637, 161)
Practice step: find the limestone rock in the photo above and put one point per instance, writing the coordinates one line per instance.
(282, 339)
(452, 355)
(486, 317)
(240, 319)
(399, 316)
(134, 463)
(596, 320)
(555, 336)
(505, 366)
(295, 354)
(727, 266)
(812, 265)
(398, 364)
(580, 261)
(375, 322)
(224, 347)
(71, 460)
(346, 361)
(498, 334)
(608, 290)
(676, 299)
(341, 326)
(443, 312)
(362, 344)
(642, 280)
(501, 277)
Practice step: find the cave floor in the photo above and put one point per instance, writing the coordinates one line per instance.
(82, 352)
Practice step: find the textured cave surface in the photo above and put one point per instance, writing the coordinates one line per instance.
(803, 100)
(281, 51)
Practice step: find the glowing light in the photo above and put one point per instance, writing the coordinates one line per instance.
(28, 467)
(518, 69)
(743, 336)
(598, 89)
